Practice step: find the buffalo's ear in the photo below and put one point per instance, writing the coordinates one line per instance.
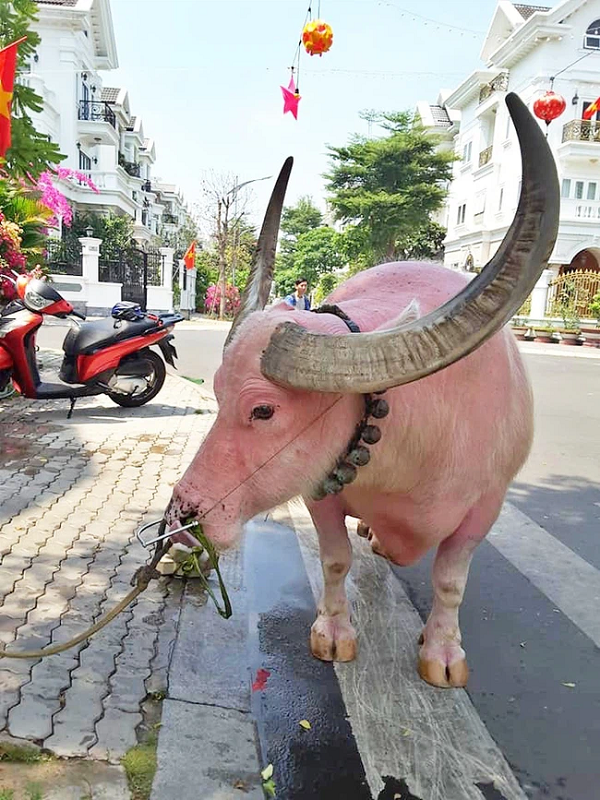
(281, 305)
(411, 313)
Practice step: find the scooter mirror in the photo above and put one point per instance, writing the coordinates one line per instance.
(21, 285)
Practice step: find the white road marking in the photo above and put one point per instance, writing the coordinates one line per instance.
(565, 578)
(433, 738)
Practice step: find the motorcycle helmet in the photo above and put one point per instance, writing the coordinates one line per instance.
(127, 310)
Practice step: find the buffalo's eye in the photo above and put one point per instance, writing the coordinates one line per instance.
(262, 412)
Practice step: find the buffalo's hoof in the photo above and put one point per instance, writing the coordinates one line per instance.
(445, 676)
(443, 664)
(362, 529)
(333, 639)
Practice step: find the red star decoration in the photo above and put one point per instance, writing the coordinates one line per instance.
(291, 98)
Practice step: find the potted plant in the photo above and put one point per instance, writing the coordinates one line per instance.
(547, 334)
(592, 333)
(518, 327)
(571, 329)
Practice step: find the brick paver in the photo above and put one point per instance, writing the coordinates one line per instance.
(72, 493)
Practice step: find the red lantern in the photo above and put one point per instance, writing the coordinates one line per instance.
(549, 106)
(317, 37)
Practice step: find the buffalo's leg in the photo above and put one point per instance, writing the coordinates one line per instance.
(442, 660)
(332, 637)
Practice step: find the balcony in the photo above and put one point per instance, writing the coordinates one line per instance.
(113, 188)
(583, 211)
(581, 130)
(146, 186)
(131, 168)
(498, 84)
(170, 219)
(580, 140)
(485, 156)
(91, 111)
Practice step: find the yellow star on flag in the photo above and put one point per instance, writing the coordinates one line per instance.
(5, 101)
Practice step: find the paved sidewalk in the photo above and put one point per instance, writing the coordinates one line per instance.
(72, 493)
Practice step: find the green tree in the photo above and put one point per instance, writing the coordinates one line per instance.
(317, 251)
(180, 239)
(31, 152)
(296, 220)
(115, 231)
(327, 283)
(388, 187)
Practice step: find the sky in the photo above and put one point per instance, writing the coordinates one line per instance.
(205, 77)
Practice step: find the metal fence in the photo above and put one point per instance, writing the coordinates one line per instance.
(573, 291)
(135, 270)
(63, 256)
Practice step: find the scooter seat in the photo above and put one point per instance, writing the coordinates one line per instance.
(90, 336)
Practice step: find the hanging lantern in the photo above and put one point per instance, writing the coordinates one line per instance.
(549, 106)
(317, 37)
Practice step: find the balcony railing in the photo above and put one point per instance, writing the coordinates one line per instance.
(170, 219)
(498, 84)
(485, 156)
(146, 186)
(96, 112)
(131, 168)
(581, 130)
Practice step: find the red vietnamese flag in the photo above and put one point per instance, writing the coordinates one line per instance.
(190, 256)
(591, 109)
(8, 63)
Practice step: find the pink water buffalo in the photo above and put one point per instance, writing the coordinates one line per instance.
(404, 404)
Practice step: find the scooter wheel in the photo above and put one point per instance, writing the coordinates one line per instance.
(155, 375)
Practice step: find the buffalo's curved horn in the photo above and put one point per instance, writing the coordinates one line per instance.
(257, 289)
(370, 362)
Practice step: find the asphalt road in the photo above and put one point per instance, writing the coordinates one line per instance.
(534, 665)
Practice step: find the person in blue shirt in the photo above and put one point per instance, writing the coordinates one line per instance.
(299, 299)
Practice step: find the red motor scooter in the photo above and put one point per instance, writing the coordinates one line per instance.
(108, 356)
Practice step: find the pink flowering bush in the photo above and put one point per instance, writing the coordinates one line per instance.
(212, 299)
(54, 199)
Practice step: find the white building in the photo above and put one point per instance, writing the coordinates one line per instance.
(524, 49)
(93, 124)
(175, 212)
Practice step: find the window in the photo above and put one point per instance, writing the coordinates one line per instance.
(462, 210)
(85, 162)
(508, 127)
(578, 190)
(566, 188)
(500, 198)
(591, 192)
(85, 92)
(479, 203)
(592, 36)
(467, 150)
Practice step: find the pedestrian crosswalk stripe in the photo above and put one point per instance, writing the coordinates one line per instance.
(570, 582)
(433, 738)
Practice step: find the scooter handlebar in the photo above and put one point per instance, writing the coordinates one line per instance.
(77, 314)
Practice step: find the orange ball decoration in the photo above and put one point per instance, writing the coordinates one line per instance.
(549, 106)
(317, 37)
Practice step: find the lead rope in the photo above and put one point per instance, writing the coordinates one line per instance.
(334, 483)
(142, 578)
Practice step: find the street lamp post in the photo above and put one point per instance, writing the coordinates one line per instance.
(236, 234)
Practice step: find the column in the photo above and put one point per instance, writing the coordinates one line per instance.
(167, 261)
(539, 295)
(90, 253)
